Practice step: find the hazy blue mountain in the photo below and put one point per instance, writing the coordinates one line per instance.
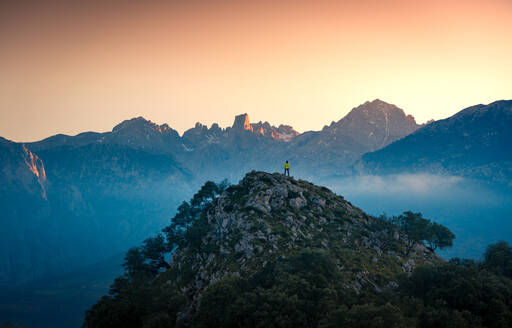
(84, 203)
(137, 133)
(475, 143)
(24, 206)
(60, 140)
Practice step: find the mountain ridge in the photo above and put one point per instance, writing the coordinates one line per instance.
(471, 143)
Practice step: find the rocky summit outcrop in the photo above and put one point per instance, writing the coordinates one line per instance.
(283, 133)
(270, 216)
(268, 230)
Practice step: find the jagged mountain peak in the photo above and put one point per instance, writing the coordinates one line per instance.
(140, 133)
(242, 122)
(283, 132)
(367, 127)
(199, 125)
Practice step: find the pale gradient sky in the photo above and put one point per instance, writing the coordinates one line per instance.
(69, 69)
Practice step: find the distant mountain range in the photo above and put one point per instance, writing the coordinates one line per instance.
(68, 201)
(476, 142)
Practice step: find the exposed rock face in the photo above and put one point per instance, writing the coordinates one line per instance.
(269, 216)
(283, 133)
(200, 136)
(242, 123)
(142, 134)
(375, 124)
(21, 168)
(286, 132)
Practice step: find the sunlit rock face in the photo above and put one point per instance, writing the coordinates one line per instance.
(282, 133)
(22, 170)
(242, 123)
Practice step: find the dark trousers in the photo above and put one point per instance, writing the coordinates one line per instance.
(287, 171)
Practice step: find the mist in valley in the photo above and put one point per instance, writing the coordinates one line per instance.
(478, 213)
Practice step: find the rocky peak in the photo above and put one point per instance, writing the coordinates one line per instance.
(270, 216)
(140, 133)
(270, 230)
(377, 107)
(283, 132)
(200, 136)
(200, 126)
(140, 124)
(286, 132)
(375, 124)
(242, 123)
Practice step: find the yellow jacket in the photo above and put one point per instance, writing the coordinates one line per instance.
(286, 166)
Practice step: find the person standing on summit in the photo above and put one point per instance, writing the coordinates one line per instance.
(287, 168)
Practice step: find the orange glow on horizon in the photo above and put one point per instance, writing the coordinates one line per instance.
(302, 63)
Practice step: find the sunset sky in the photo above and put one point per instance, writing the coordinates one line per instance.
(74, 68)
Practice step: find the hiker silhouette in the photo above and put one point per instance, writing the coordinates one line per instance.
(287, 168)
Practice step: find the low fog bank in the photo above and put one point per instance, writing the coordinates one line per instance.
(478, 213)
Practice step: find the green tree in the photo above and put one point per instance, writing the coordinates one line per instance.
(134, 262)
(154, 250)
(498, 258)
(414, 228)
(438, 236)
